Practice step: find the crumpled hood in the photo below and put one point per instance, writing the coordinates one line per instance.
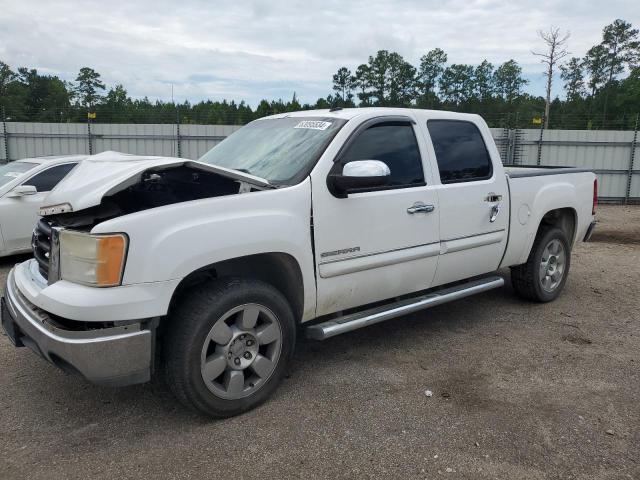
(109, 172)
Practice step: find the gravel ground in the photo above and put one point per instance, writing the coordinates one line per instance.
(519, 391)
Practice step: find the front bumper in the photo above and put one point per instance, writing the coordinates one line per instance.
(114, 356)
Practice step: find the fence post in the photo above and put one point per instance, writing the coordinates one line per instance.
(5, 136)
(634, 144)
(540, 142)
(178, 138)
(89, 134)
(514, 140)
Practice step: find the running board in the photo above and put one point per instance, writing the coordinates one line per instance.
(354, 321)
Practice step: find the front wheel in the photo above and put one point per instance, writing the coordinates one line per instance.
(228, 345)
(544, 275)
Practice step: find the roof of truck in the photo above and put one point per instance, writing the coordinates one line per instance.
(349, 113)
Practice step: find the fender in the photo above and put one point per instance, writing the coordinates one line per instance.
(203, 232)
(558, 195)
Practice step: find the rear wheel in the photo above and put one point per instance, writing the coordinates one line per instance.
(544, 275)
(228, 346)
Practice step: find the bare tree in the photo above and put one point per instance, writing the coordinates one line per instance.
(556, 51)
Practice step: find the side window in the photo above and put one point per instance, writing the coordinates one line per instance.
(46, 180)
(460, 151)
(394, 144)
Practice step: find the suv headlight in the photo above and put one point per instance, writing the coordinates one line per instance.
(95, 260)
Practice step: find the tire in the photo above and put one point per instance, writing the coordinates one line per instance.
(222, 311)
(542, 278)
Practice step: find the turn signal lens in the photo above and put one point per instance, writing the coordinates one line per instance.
(111, 251)
(96, 260)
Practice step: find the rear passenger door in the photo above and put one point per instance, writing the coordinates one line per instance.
(376, 244)
(474, 201)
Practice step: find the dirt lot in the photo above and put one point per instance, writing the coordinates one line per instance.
(519, 391)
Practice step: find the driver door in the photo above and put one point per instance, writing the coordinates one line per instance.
(374, 245)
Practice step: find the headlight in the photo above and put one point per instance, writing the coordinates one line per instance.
(96, 260)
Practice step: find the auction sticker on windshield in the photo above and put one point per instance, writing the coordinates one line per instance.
(313, 125)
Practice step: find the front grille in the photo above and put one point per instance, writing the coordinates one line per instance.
(41, 243)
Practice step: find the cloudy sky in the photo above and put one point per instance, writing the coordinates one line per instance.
(249, 49)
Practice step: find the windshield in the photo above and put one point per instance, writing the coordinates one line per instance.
(13, 170)
(280, 150)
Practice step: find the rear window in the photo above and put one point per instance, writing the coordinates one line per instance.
(13, 170)
(461, 153)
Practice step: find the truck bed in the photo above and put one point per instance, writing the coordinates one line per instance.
(520, 171)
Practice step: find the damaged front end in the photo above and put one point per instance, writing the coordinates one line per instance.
(111, 185)
(156, 187)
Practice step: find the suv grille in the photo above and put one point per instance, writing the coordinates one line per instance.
(41, 243)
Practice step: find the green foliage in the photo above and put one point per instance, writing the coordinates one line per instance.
(6, 76)
(343, 84)
(457, 84)
(573, 77)
(508, 81)
(620, 42)
(87, 88)
(595, 63)
(484, 86)
(362, 82)
(431, 67)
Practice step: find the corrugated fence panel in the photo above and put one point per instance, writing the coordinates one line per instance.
(608, 152)
(597, 149)
(529, 151)
(43, 139)
(501, 137)
(196, 140)
(138, 139)
(634, 191)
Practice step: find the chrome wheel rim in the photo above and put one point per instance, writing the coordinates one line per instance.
(552, 265)
(241, 351)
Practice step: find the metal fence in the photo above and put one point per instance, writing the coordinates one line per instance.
(613, 155)
(23, 140)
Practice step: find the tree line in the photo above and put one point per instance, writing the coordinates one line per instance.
(597, 93)
(601, 90)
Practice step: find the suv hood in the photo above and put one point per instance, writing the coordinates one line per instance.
(107, 173)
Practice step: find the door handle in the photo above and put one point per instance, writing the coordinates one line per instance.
(495, 210)
(493, 197)
(420, 207)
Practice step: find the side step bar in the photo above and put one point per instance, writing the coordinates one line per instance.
(354, 321)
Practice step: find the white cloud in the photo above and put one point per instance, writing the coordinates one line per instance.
(254, 49)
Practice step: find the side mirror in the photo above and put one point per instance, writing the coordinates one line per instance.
(22, 190)
(358, 175)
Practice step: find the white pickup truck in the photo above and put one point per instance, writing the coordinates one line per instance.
(319, 221)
